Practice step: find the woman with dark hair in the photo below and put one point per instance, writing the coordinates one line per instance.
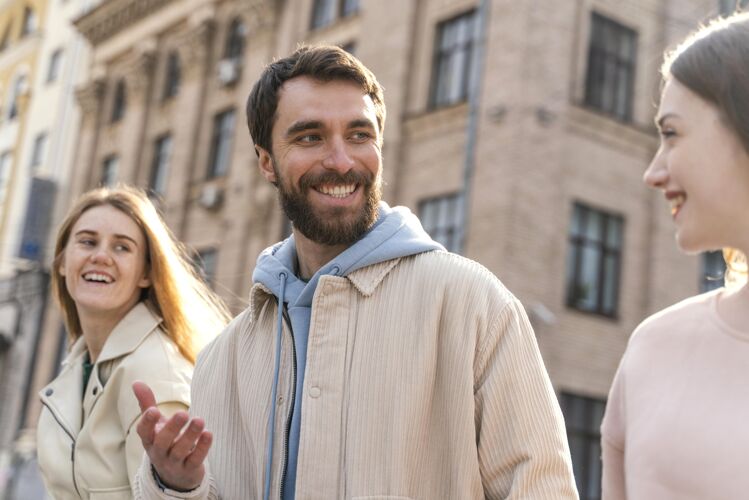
(676, 420)
(134, 310)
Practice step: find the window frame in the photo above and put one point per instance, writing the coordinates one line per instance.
(172, 75)
(590, 434)
(214, 169)
(38, 150)
(160, 161)
(447, 234)
(599, 61)
(439, 58)
(119, 102)
(110, 163)
(235, 42)
(54, 66)
(576, 244)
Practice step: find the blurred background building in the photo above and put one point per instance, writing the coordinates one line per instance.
(518, 132)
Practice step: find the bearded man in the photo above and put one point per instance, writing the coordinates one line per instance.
(371, 363)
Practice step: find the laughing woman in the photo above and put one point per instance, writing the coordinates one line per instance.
(676, 421)
(134, 310)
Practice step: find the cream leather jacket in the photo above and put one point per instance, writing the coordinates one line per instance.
(423, 381)
(87, 444)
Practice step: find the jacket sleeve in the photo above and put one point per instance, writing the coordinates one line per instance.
(146, 487)
(612, 441)
(522, 445)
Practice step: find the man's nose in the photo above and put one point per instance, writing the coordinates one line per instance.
(337, 156)
(656, 175)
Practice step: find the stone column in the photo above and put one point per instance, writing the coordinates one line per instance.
(85, 174)
(186, 162)
(138, 85)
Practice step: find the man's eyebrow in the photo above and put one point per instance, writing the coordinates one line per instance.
(361, 123)
(301, 126)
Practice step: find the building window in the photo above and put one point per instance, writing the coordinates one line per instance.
(205, 264)
(37, 154)
(728, 7)
(53, 70)
(120, 101)
(235, 39)
(583, 418)
(441, 218)
(594, 261)
(173, 75)
(5, 41)
(29, 22)
(713, 271)
(6, 158)
(453, 70)
(349, 7)
(109, 171)
(160, 165)
(609, 85)
(19, 87)
(325, 12)
(223, 130)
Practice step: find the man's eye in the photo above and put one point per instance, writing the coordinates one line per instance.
(361, 136)
(309, 138)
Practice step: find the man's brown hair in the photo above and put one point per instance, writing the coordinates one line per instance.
(322, 62)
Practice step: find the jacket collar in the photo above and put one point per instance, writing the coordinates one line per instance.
(365, 280)
(124, 339)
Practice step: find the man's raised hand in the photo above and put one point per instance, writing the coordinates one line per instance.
(176, 450)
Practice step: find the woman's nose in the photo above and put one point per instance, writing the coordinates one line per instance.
(100, 255)
(656, 175)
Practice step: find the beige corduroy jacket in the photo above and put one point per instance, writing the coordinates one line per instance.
(87, 444)
(423, 381)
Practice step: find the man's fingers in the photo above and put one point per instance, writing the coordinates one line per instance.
(164, 438)
(196, 458)
(187, 441)
(147, 427)
(145, 396)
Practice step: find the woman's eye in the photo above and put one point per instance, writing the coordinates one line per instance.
(122, 248)
(87, 242)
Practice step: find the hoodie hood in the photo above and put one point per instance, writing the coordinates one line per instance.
(396, 233)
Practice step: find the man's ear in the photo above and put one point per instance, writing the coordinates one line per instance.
(265, 162)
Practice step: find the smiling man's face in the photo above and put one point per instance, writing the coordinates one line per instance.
(326, 159)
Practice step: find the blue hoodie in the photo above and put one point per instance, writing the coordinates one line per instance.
(396, 233)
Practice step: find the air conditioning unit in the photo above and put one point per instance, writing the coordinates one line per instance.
(228, 71)
(211, 196)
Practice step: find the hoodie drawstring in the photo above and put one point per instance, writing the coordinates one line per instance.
(274, 392)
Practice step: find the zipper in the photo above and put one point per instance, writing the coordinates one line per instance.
(72, 444)
(291, 405)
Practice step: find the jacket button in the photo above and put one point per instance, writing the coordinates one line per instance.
(314, 392)
(48, 392)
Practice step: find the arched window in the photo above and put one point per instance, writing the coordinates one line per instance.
(120, 101)
(235, 40)
(173, 75)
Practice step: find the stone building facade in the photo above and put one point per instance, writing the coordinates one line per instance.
(519, 135)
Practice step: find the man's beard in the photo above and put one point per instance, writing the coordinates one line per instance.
(333, 228)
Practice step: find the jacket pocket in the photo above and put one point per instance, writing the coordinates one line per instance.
(119, 493)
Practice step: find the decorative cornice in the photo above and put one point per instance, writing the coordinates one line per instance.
(112, 16)
(257, 14)
(90, 95)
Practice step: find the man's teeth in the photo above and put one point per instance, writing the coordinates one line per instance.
(97, 277)
(676, 203)
(338, 191)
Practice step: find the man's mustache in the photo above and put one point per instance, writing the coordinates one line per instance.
(309, 181)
